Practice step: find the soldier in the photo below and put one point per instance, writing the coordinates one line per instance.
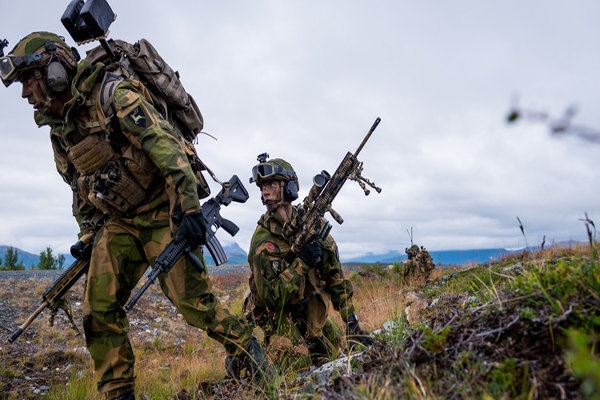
(419, 263)
(134, 190)
(426, 265)
(290, 300)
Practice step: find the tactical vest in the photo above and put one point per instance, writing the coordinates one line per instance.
(113, 175)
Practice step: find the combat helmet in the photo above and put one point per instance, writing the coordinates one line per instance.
(44, 51)
(276, 169)
(412, 251)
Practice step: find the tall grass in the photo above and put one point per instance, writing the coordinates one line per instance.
(422, 360)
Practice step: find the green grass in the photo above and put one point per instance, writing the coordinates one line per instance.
(522, 327)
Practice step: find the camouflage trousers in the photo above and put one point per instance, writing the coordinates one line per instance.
(120, 257)
(290, 332)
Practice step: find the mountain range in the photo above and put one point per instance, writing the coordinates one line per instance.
(440, 257)
(237, 255)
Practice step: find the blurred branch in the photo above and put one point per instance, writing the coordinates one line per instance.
(557, 126)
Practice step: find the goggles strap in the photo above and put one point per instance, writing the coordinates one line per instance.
(44, 89)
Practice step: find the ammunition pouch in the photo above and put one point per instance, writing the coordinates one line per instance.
(89, 155)
(112, 189)
(112, 183)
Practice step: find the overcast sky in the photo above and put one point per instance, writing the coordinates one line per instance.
(304, 81)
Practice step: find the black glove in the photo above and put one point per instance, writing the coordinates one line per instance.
(354, 333)
(81, 250)
(311, 253)
(193, 228)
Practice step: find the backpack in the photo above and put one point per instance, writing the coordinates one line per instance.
(142, 62)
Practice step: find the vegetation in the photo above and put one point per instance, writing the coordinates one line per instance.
(11, 261)
(522, 327)
(49, 261)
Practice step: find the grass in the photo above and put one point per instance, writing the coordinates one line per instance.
(522, 327)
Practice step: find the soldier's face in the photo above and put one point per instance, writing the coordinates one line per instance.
(271, 191)
(33, 93)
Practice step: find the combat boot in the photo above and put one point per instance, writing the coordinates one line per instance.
(252, 363)
(126, 396)
(355, 334)
(318, 350)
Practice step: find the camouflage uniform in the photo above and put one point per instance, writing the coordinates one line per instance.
(419, 263)
(132, 221)
(291, 301)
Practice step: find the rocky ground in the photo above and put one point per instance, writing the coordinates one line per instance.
(465, 341)
(44, 356)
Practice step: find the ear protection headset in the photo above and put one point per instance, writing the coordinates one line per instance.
(290, 191)
(57, 77)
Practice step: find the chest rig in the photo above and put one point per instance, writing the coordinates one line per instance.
(112, 174)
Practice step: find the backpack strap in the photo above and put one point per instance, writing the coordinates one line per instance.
(102, 109)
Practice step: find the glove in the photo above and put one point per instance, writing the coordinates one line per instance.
(81, 250)
(192, 228)
(311, 253)
(356, 334)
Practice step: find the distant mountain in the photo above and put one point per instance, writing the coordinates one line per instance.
(453, 257)
(235, 255)
(442, 257)
(29, 260)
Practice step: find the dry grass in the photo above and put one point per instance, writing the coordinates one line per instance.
(421, 361)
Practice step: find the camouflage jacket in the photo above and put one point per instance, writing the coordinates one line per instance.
(138, 142)
(277, 284)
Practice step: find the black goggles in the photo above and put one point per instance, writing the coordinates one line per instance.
(268, 170)
(10, 64)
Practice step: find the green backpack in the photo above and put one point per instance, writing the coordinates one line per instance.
(142, 62)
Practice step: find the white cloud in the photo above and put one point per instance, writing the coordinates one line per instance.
(305, 80)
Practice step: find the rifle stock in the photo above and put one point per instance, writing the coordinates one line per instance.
(54, 293)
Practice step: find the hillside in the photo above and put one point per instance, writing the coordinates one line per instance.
(522, 327)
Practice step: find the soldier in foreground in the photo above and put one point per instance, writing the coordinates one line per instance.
(134, 191)
(290, 299)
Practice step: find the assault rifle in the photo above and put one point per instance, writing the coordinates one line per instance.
(53, 296)
(232, 191)
(310, 222)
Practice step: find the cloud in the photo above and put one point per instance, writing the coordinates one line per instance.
(305, 80)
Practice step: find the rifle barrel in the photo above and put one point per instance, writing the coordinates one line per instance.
(362, 144)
